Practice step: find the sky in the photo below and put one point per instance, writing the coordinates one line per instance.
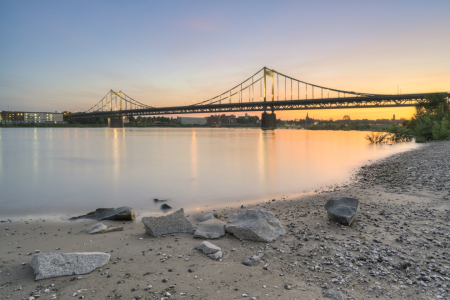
(67, 55)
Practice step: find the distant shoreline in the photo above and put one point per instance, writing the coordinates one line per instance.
(126, 126)
(253, 126)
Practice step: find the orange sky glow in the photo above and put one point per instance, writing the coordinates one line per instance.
(172, 54)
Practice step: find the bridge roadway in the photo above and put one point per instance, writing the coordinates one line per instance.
(374, 101)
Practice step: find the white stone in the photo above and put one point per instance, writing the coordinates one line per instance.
(48, 265)
(208, 248)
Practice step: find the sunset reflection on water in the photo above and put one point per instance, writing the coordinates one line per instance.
(72, 171)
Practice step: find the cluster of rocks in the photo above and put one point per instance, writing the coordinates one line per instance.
(256, 224)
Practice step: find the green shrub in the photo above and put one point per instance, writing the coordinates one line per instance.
(431, 120)
(399, 134)
(441, 130)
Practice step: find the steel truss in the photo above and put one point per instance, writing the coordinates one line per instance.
(332, 103)
(242, 98)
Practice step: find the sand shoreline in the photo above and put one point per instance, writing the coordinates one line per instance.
(399, 223)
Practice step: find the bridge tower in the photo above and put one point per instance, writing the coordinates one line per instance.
(268, 121)
(115, 122)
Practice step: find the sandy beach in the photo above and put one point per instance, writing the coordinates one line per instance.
(397, 249)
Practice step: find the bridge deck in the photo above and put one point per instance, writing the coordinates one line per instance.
(304, 104)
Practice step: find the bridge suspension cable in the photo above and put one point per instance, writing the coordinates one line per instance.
(237, 90)
(244, 92)
(116, 101)
(290, 89)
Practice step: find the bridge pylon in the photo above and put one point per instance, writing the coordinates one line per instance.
(268, 121)
(115, 122)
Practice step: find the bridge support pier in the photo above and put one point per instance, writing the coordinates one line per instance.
(115, 122)
(268, 121)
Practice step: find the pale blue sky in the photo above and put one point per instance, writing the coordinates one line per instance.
(66, 55)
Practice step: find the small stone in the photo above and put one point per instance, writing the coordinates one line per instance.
(216, 255)
(208, 248)
(208, 216)
(165, 206)
(96, 228)
(334, 295)
(251, 261)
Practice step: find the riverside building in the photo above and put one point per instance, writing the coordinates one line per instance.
(7, 117)
(191, 121)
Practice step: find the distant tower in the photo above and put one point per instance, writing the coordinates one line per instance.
(393, 118)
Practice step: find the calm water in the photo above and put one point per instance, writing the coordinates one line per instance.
(50, 171)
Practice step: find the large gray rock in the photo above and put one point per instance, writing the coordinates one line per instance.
(257, 224)
(343, 210)
(213, 251)
(208, 216)
(211, 229)
(121, 213)
(175, 222)
(48, 265)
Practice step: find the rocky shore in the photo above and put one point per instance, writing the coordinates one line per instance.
(398, 248)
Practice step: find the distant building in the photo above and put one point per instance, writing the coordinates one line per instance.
(308, 119)
(219, 120)
(191, 121)
(31, 117)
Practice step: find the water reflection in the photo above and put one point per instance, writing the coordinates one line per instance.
(72, 171)
(194, 161)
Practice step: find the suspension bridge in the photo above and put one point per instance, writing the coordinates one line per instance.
(267, 90)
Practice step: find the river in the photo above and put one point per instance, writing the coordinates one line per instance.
(63, 172)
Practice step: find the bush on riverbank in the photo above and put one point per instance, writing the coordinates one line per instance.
(431, 120)
(377, 138)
